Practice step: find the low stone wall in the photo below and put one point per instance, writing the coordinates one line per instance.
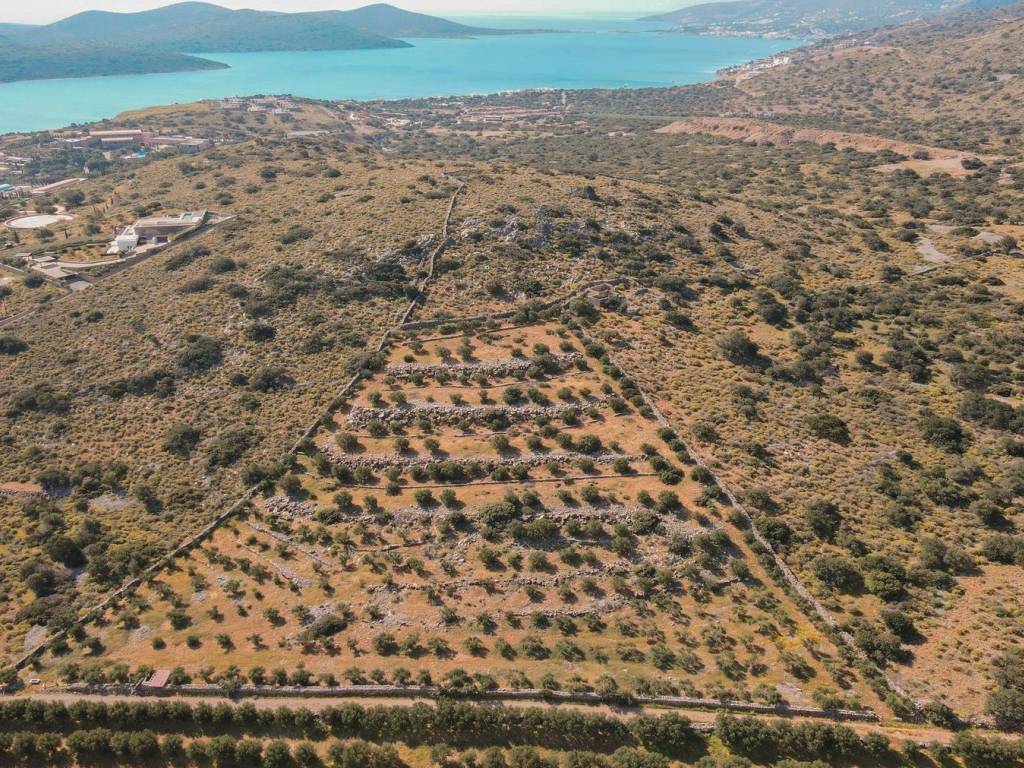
(560, 579)
(504, 367)
(413, 515)
(393, 460)
(433, 692)
(440, 413)
(23, 493)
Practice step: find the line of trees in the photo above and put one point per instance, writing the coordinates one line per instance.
(454, 723)
(200, 735)
(104, 746)
(778, 741)
(763, 740)
(136, 748)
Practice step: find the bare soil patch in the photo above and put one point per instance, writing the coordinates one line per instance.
(750, 130)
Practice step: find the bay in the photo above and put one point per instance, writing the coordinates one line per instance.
(586, 53)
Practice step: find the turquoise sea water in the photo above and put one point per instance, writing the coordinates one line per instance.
(589, 53)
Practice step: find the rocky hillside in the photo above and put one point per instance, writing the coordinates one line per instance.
(807, 19)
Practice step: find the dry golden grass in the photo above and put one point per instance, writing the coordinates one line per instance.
(695, 385)
(81, 346)
(808, 250)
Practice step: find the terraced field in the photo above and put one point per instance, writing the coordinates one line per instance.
(496, 508)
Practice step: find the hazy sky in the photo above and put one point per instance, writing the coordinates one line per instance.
(41, 11)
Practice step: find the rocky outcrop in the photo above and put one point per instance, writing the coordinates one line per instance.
(288, 507)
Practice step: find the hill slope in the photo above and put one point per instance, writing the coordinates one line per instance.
(13, 29)
(195, 27)
(963, 91)
(808, 18)
(103, 42)
(20, 62)
(825, 311)
(387, 20)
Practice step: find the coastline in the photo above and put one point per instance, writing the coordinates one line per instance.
(213, 65)
(433, 67)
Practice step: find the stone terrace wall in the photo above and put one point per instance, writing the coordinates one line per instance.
(389, 460)
(440, 413)
(508, 366)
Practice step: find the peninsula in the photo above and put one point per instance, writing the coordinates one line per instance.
(167, 39)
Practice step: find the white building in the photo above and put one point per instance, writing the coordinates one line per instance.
(127, 241)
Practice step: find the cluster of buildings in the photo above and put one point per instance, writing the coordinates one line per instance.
(132, 243)
(136, 142)
(814, 50)
(156, 230)
(11, 191)
(12, 165)
(757, 65)
(136, 138)
(504, 114)
(271, 104)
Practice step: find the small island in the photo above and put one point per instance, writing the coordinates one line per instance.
(167, 39)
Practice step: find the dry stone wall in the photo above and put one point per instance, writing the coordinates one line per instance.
(509, 366)
(443, 414)
(430, 692)
(393, 460)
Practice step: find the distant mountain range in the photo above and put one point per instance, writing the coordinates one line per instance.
(809, 19)
(164, 39)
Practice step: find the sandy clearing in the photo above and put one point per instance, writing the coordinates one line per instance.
(926, 248)
(964, 635)
(926, 168)
(748, 129)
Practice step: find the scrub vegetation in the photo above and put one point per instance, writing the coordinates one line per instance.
(707, 397)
